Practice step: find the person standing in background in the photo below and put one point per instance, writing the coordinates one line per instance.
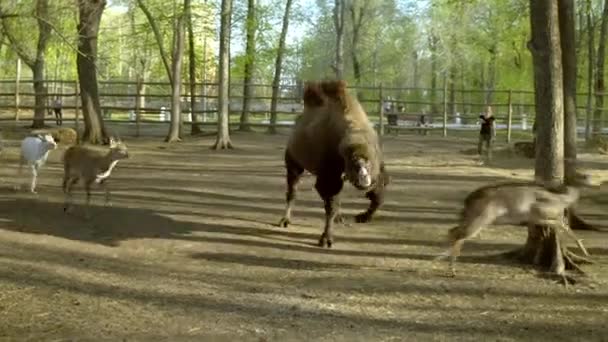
(487, 133)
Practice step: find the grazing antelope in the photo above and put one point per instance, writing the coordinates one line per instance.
(34, 152)
(514, 204)
(92, 166)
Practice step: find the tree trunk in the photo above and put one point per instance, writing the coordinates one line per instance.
(600, 87)
(223, 132)
(543, 246)
(276, 82)
(195, 127)
(338, 16)
(41, 93)
(88, 28)
(568, 47)
(176, 80)
(357, 22)
(35, 63)
(433, 47)
(491, 74)
(251, 25)
(590, 60)
(452, 86)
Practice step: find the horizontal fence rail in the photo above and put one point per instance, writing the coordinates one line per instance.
(390, 108)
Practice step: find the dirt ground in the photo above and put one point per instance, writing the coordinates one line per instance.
(190, 251)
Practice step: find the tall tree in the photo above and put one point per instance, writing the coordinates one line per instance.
(36, 61)
(590, 59)
(568, 50)
(543, 246)
(358, 11)
(195, 127)
(90, 12)
(223, 131)
(600, 86)
(338, 17)
(276, 82)
(172, 63)
(250, 28)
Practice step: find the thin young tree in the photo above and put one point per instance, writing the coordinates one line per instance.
(338, 16)
(172, 63)
(90, 12)
(600, 63)
(278, 65)
(36, 60)
(568, 51)
(358, 12)
(195, 127)
(250, 27)
(223, 128)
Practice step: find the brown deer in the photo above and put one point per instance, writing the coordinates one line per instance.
(515, 204)
(92, 166)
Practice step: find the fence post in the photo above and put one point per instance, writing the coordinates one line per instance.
(380, 112)
(509, 116)
(445, 106)
(17, 82)
(77, 107)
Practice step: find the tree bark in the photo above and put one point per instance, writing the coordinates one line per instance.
(590, 60)
(223, 132)
(433, 40)
(276, 82)
(251, 25)
(195, 127)
(548, 83)
(600, 87)
(543, 246)
(493, 50)
(338, 16)
(176, 82)
(568, 49)
(90, 12)
(357, 14)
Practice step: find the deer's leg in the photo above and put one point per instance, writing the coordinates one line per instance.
(34, 168)
(104, 185)
(69, 183)
(472, 224)
(294, 173)
(329, 188)
(87, 189)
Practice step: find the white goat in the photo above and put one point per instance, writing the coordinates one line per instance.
(34, 153)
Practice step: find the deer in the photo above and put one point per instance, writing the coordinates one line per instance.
(34, 152)
(91, 166)
(519, 204)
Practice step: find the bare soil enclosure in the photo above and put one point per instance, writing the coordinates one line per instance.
(190, 250)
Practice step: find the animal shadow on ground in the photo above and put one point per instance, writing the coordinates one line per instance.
(109, 226)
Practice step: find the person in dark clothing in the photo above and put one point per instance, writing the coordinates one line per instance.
(486, 133)
(57, 110)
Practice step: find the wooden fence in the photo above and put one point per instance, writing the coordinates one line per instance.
(149, 102)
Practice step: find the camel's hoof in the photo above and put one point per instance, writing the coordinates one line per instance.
(284, 222)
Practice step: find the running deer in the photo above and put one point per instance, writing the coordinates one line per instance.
(92, 166)
(34, 152)
(514, 204)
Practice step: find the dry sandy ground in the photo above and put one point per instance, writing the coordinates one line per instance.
(189, 251)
